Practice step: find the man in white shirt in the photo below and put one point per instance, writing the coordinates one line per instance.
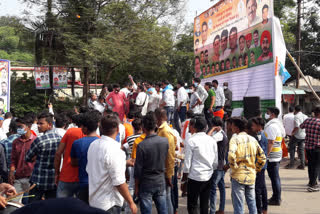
(297, 139)
(168, 100)
(92, 101)
(2, 134)
(288, 121)
(182, 97)
(201, 159)
(274, 131)
(253, 19)
(129, 87)
(142, 100)
(203, 94)
(220, 98)
(6, 122)
(225, 52)
(106, 170)
(155, 99)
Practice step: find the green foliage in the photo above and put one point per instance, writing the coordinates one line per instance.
(113, 37)
(181, 66)
(16, 42)
(25, 98)
(310, 35)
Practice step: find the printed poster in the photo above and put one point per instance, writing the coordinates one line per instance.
(5, 86)
(42, 77)
(233, 35)
(60, 79)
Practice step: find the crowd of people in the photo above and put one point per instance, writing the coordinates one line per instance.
(132, 146)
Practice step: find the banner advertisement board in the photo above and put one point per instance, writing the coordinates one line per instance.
(234, 42)
(233, 35)
(42, 77)
(60, 79)
(5, 86)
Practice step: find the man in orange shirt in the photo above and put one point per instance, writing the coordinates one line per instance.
(68, 178)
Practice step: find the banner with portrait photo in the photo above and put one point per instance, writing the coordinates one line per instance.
(42, 77)
(263, 81)
(60, 79)
(233, 35)
(5, 86)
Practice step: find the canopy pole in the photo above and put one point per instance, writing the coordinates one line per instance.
(304, 77)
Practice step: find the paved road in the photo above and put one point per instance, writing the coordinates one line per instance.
(295, 198)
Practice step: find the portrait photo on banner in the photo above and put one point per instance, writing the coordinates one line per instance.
(60, 79)
(5, 86)
(42, 78)
(233, 35)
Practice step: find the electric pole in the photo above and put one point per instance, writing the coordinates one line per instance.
(299, 41)
(49, 34)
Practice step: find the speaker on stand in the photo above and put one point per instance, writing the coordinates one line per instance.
(250, 106)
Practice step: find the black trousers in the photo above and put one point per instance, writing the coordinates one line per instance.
(40, 193)
(208, 116)
(313, 165)
(198, 189)
(261, 192)
(83, 194)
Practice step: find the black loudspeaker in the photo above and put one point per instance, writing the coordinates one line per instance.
(250, 106)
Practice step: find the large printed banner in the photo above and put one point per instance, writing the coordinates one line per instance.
(42, 77)
(60, 79)
(233, 35)
(5, 86)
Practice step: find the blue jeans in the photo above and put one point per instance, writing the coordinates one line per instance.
(158, 195)
(217, 180)
(67, 189)
(273, 172)
(239, 191)
(182, 113)
(169, 200)
(114, 210)
(170, 112)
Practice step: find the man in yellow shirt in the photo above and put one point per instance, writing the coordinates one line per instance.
(245, 157)
(164, 130)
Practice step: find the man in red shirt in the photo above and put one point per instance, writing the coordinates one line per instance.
(20, 170)
(68, 178)
(117, 100)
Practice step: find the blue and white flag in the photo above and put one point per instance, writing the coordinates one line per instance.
(284, 74)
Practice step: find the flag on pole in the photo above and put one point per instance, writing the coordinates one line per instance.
(284, 74)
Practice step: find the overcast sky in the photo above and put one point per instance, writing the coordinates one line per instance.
(15, 7)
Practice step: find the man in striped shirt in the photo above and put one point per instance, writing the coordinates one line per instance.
(137, 125)
(274, 131)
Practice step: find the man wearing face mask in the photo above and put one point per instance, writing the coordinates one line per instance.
(274, 131)
(20, 170)
(228, 97)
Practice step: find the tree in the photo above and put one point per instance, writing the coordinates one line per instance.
(16, 41)
(181, 66)
(310, 35)
(113, 37)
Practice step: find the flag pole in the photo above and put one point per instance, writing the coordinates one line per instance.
(304, 77)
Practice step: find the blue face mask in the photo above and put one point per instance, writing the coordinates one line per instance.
(21, 131)
(196, 84)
